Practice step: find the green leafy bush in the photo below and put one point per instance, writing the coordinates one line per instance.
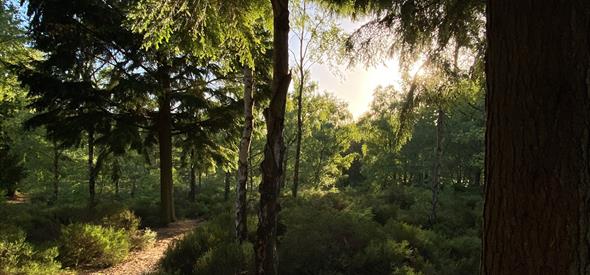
(210, 249)
(92, 245)
(126, 220)
(319, 238)
(19, 257)
(142, 239)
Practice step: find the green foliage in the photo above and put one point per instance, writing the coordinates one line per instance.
(12, 171)
(19, 257)
(208, 29)
(210, 249)
(326, 135)
(92, 245)
(127, 221)
(124, 219)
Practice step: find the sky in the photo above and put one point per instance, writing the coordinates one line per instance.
(355, 85)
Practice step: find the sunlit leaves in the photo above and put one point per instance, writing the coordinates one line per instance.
(209, 29)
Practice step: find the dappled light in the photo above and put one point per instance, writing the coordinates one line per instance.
(271, 137)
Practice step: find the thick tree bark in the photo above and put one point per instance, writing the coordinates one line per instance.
(265, 245)
(167, 214)
(435, 181)
(244, 154)
(91, 174)
(537, 207)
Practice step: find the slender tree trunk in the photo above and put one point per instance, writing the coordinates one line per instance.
(265, 246)
(318, 170)
(167, 214)
(192, 177)
(537, 206)
(227, 182)
(477, 177)
(250, 175)
(244, 155)
(133, 188)
(56, 155)
(295, 186)
(435, 186)
(200, 179)
(116, 175)
(299, 105)
(285, 167)
(91, 174)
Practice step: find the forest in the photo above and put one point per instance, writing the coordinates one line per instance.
(195, 137)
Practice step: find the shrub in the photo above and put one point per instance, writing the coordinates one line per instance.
(323, 240)
(124, 219)
(19, 257)
(92, 245)
(142, 239)
(148, 211)
(210, 249)
(384, 257)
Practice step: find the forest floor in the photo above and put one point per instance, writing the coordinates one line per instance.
(145, 261)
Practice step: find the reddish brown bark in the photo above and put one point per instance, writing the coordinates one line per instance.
(537, 142)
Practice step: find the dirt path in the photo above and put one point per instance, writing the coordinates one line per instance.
(144, 261)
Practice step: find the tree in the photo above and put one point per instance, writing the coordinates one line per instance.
(13, 52)
(244, 153)
(220, 29)
(537, 167)
(159, 92)
(317, 36)
(265, 246)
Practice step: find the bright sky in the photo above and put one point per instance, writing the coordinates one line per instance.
(358, 83)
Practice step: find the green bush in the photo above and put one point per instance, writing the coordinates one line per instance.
(324, 239)
(210, 249)
(384, 257)
(19, 257)
(142, 239)
(124, 219)
(92, 245)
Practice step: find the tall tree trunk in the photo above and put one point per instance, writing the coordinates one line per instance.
(285, 163)
(295, 186)
(167, 214)
(299, 104)
(265, 245)
(435, 181)
(477, 177)
(318, 170)
(56, 154)
(200, 179)
(91, 174)
(537, 207)
(250, 175)
(244, 154)
(227, 182)
(116, 175)
(192, 177)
